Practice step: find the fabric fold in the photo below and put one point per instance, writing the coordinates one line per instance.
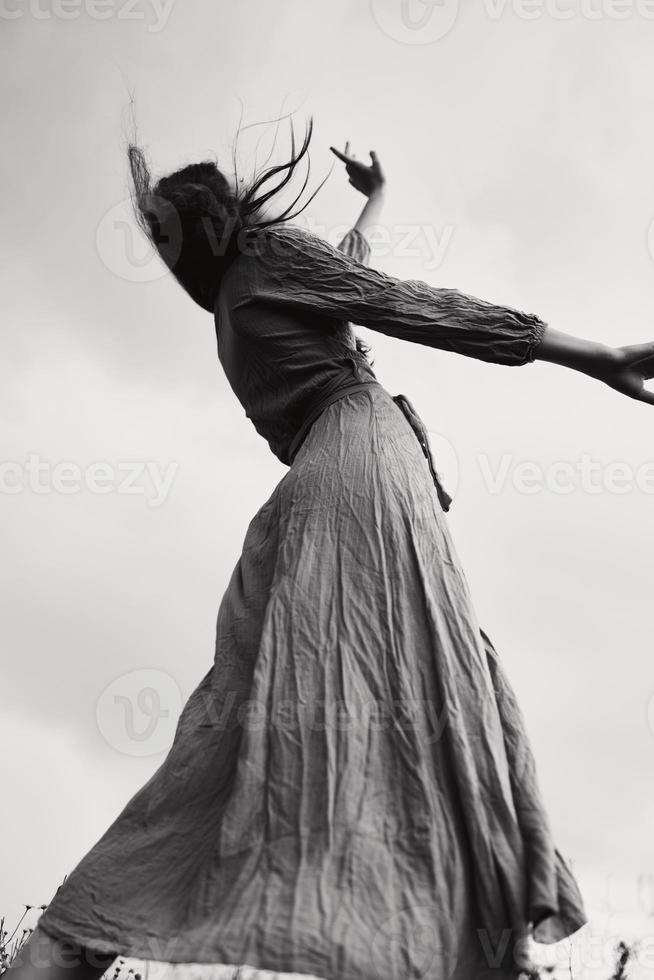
(350, 791)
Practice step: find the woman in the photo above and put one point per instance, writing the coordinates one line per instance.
(350, 793)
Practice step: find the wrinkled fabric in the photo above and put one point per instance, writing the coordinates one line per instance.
(284, 322)
(350, 792)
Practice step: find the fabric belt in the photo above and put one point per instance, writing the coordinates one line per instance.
(420, 430)
(407, 408)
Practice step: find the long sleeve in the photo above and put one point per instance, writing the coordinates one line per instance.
(301, 272)
(356, 245)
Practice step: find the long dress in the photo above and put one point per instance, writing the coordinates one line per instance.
(350, 793)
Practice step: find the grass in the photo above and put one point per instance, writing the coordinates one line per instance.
(12, 943)
(623, 954)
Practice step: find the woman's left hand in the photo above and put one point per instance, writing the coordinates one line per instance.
(368, 180)
(626, 369)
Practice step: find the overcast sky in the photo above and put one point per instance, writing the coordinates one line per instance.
(519, 150)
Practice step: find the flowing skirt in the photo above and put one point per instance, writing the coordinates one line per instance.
(350, 793)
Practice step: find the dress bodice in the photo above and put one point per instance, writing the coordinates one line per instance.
(284, 316)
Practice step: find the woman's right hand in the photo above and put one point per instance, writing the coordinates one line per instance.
(368, 180)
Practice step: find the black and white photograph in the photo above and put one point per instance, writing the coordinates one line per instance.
(327, 490)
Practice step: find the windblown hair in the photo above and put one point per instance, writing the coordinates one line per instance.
(197, 218)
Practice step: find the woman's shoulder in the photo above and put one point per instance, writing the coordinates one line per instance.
(266, 256)
(285, 239)
(280, 253)
(298, 244)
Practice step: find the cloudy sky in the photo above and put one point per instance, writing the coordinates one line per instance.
(517, 138)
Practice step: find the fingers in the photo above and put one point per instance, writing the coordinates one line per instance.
(341, 156)
(638, 352)
(644, 366)
(349, 161)
(645, 396)
(350, 158)
(376, 165)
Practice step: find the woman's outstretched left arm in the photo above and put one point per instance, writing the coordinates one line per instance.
(300, 272)
(624, 368)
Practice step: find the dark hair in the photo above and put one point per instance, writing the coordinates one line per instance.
(196, 218)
